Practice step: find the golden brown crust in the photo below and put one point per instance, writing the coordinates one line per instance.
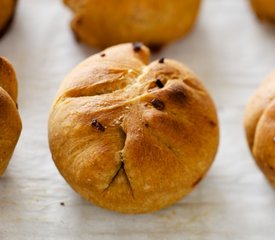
(153, 22)
(265, 9)
(260, 128)
(7, 11)
(10, 123)
(8, 79)
(126, 141)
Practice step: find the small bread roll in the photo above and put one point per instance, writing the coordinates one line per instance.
(259, 124)
(153, 22)
(7, 9)
(131, 136)
(10, 123)
(265, 9)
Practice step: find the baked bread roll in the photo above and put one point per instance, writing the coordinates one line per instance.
(265, 9)
(260, 127)
(10, 123)
(153, 22)
(131, 136)
(7, 9)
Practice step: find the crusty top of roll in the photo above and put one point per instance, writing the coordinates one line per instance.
(8, 79)
(129, 135)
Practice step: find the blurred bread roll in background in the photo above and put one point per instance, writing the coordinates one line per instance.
(259, 124)
(265, 9)
(153, 22)
(10, 122)
(7, 9)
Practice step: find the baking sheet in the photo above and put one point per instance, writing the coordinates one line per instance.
(228, 49)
